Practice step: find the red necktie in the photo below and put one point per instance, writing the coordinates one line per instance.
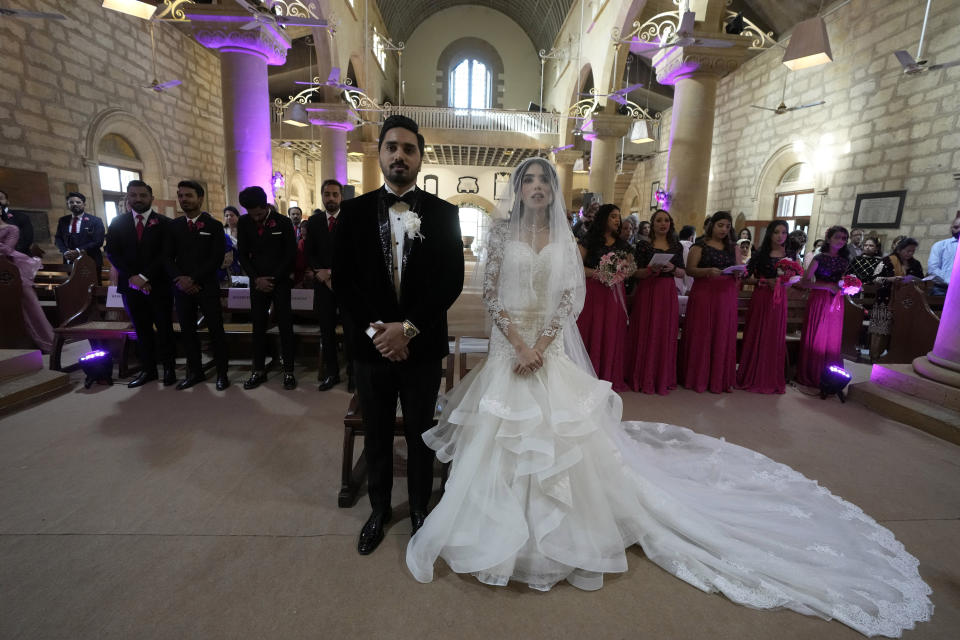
(75, 226)
(331, 223)
(192, 225)
(139, 227)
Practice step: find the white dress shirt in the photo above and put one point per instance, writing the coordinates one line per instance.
(399, 233)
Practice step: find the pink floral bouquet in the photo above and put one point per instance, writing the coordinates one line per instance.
(850, 285)
(615, 267)
(788, 269)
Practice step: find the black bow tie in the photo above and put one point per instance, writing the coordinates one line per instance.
(409, 197)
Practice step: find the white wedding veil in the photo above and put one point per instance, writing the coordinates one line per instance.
(506, 282)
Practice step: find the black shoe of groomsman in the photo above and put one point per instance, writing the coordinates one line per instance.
(222, 382)
(143, 378)
(416, 521)
(372, 533)
(169, 375)
(289, 381)
(190, 380)
(328, 383)
(255, 380)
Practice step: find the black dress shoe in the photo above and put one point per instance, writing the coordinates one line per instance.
(328, 383)
(169, 376)
(143, 378)
(416, 520)
(255, 380)
(222, 382)
(190, 380)
(289, 382)
(372, 533)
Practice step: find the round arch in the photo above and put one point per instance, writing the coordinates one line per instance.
(474, 48)
(765, 188)
(134, 130)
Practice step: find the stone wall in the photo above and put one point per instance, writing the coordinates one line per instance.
(65, 83)
(880, 130)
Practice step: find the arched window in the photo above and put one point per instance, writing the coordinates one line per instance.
(119, 164)
(794, 196)
(470, 85)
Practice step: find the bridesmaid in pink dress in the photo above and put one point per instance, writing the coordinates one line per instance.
(603, 321)
(34, 319)
(651, 365)
(823, 329)
(764, 354)
(708, 349)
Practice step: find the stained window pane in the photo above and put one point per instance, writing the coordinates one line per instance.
(804, 205)
(127, 176)
(461, 85)
(478, 89)
(109, 178)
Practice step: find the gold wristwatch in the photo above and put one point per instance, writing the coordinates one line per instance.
(409, 330)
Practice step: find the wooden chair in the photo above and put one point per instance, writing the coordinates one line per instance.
(353, 474)
(91, 323)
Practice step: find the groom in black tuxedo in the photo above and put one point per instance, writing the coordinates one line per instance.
(397, 268)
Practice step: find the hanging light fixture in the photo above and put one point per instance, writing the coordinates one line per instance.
(296, 115)
(809, 45)
(640, 132)
(134, 8)
(578, 166)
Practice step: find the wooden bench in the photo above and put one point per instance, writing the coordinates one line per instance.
(913, 328)
(353, 474)
(95, 321)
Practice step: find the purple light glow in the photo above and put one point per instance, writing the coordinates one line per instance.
(278, 181)
(684, 69)
(337, 125)
(273, 50)
(93, 355)
(839, 371)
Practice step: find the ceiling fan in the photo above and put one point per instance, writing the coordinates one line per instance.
(156, 85)
(684, 37)
(264, 15)
(782, 108)
(333, 80)
(913, 66)
(20, 13)
(619, 96)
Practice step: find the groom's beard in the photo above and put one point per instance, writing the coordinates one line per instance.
(401, 173)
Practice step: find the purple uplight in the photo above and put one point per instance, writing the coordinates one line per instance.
(839, 371)
(246, 42)
(93, 355)
(684, 69)
(278, 181)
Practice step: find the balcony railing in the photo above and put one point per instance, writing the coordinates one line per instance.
(526, 122)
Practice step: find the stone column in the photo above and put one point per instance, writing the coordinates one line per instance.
(564, 161)
(334, 121)
(244, 56)
(372, 178)
(607, 130)
(943, 363)
(694, 72)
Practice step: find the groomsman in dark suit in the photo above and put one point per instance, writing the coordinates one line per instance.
(195, 247)
(318, 247)
(135, 245)
(20, 220)
(80, 232)
(267, 246)
(397, 268)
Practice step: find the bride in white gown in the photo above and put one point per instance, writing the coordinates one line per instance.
(547, 484)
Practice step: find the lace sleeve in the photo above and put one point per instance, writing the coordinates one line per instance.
(567, 302)
(560, 315)
(491, 278)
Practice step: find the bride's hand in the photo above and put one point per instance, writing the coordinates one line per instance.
(528, 360)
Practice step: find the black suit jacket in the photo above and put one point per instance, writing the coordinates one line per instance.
(320, 241)
(89, 238)
(22, 221)
(270, 251)
(197, 253)
(430, 282)
(145, 257)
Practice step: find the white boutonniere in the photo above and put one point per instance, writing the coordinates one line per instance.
(411, 224)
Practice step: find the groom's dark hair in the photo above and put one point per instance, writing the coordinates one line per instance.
(404, 122)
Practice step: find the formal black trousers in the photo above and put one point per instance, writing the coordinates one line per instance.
(147, 311)
(260, 315)
(329, 314)
(379, 384)
(209, 305)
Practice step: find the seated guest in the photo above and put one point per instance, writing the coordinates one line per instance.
(80, 233)
(746, 234)
(942, 256)
(268, 250)
(135, 244)
(866, 266)
(796, 241)
(744, 248)
(643, 231)
(651, 347)
(708, 349)
(856, 243)
(899, 266)
(589, 212)
(231, 216)
(195, 250)
(628, 230)
(808, 257)
(20, 220)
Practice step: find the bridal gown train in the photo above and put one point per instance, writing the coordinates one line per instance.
(547, 484)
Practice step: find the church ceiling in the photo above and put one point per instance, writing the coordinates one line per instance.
(540, 19)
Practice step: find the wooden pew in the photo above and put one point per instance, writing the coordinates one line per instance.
(913, 329)
(13, 333)
(353, 475)
(94, 321)
(73, 295)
